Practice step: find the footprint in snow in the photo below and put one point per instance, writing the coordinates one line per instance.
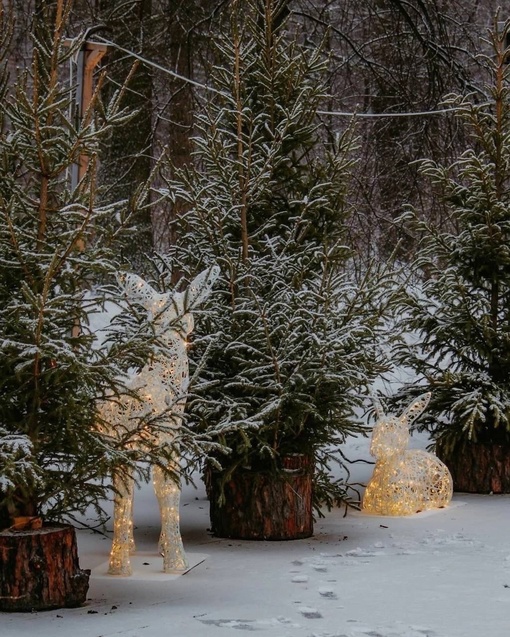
(329, 635)
(394, 631)
(359, 552)
(320, 568)
(251, 625)
(310, 613)
(239, 624)
(327, 593)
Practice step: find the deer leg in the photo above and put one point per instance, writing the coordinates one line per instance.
(123, 541)
(168, 493)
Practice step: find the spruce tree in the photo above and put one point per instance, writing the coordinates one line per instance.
(460, 312)
(57, 267)
(294, 338)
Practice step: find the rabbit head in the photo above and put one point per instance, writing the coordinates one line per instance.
(391, 433)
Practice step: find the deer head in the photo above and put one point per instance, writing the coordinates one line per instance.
(170, 312)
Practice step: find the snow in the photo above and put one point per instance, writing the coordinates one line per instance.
(443, 573)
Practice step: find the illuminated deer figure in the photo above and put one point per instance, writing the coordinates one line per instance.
(404, 481)
(160, 389)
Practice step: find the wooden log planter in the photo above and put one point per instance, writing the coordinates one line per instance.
(477, 467)
(264, 505)
(39, 569)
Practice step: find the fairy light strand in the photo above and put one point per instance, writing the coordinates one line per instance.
(161, 387)
(404, 481)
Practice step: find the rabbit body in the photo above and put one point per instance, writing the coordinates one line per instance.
(404, 481)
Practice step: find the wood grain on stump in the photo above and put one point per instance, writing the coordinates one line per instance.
(260, 505)
(39, 569)
(478, 468)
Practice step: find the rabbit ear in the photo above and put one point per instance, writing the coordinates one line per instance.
(416, 408)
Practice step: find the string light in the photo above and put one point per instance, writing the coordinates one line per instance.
(162, 385)
(404, 481)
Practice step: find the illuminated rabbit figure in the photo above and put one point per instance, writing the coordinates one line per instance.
(161, 387)
(404, 481)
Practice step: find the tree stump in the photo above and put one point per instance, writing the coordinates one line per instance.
(39, 569)
(264, 505)
(478, 468)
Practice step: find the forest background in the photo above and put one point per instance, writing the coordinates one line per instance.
(390, 64)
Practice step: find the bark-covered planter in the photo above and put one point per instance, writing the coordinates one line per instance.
(478, 468)
(39, 569)
(264, 505)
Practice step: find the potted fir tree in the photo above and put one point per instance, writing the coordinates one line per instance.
(54, 268)
(461, 310)
(293, 338)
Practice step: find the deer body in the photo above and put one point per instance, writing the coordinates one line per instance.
(404, 481)
(161, 387)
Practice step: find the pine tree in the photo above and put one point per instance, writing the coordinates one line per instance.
(460, 312)
(57, 267)
(294, 338)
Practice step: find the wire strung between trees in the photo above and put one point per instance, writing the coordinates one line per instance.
(408, 114)
(205, 87)
(157, 66)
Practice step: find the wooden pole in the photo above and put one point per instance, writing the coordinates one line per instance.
(89, 57)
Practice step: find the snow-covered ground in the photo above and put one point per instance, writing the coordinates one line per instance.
(437, 574)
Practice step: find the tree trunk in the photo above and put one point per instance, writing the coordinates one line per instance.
(260, 505)
(126, 160)
(39, 570)
(478, 468)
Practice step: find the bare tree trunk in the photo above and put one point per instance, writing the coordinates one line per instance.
(128, 157)
(174, 120)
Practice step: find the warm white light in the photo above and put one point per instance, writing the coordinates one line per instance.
(163, 383)
(404, 481)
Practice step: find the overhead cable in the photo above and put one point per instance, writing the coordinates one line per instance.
(205, 87)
